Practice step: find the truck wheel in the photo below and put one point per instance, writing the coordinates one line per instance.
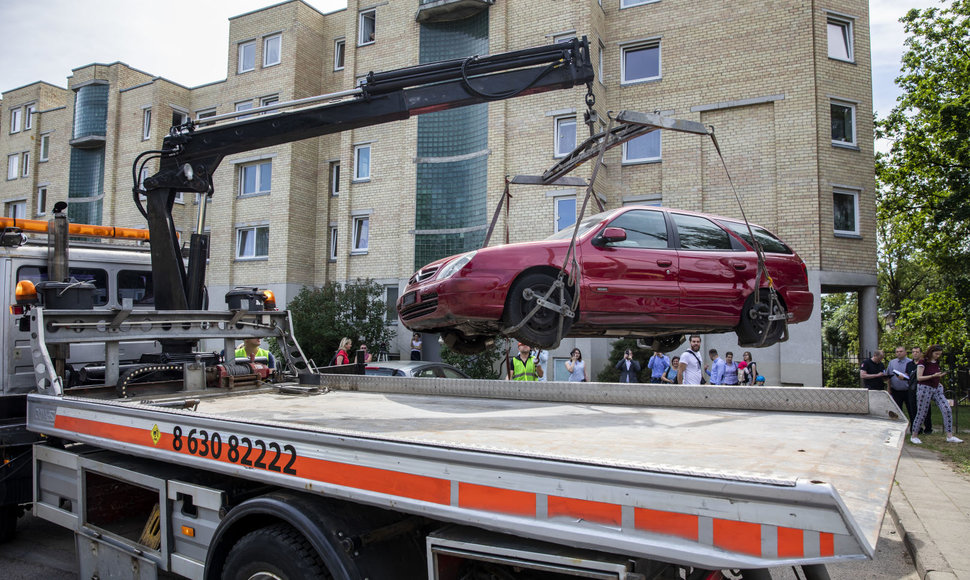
(8, 522)
(274, 552)
(542, 329)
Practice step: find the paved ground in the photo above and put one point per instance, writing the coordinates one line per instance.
(931, 506)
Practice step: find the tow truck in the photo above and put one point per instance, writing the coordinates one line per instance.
(167, 467)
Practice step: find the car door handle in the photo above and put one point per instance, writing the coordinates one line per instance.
(664, 263)
(739, 265)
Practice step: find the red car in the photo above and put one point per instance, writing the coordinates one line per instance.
(645, 272)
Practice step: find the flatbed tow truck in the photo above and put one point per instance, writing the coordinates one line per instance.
(346, 476)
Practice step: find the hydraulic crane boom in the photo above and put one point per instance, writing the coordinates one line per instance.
(190, 155)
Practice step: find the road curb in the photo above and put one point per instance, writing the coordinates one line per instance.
(929, 561)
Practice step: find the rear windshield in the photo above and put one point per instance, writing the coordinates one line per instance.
(769, 243)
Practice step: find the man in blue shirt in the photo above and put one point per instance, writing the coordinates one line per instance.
(658, 365)
(716, 371)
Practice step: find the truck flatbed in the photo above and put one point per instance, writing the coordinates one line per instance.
(724, 477)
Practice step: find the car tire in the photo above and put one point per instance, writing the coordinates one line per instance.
(667, 342)
(277, 551)
(462, 344)
(754, 322)
(542, 330)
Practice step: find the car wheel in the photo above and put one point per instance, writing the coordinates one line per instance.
(755, 324)
(462, 344)
(542, 329)
(274, 552)
(667, 342)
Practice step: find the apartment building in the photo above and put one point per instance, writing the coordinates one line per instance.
(785, 84)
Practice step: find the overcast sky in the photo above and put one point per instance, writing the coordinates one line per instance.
(185, 41)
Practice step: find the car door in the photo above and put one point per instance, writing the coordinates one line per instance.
(715, 271)
(634, 281)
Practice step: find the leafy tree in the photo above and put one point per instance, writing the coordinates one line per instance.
(484, 365)
(642, 355)
(322, 316)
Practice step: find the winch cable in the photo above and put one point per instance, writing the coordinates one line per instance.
(774, 304)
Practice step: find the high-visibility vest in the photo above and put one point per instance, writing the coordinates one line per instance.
(523, 371)
(260, 353)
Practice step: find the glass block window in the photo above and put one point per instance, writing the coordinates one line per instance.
(367, 28)
(643, 149)
(256, 178)
(565, 136)
(845, 210)
(840, 38)
(90, 110)
(246, 57)
(843, 123)
(339, 50)
(45, 147)
(640, 62)
(272, 49)
(252, 242)
(85, 186)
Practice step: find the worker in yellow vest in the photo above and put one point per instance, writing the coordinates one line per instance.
(250, 349)
(524, 367)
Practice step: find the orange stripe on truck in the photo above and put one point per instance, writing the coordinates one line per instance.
(496, 499)
(791, 543)
(826, 544)
(592, 511)
(663, 522)
(743, 537)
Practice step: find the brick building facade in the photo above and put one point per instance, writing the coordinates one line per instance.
(786, 85)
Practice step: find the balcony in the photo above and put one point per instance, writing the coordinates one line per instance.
(445, 10)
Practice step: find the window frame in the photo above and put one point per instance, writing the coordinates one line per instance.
(25, 164)
(252, 229)
(641, 45)
(556, 199)
(15, 203)
(627, 160)
(248, 105)
(333, 243)
(339, 49)
(44, 150)
(847, 25)
(208, 112)
(855, 194)
(360, 27)
(624, 4)
(13, 162)
(29, 111)
(41, 208)
(146, 123)
(358, 178)
(600, 75)
(334, 173)
(390, 315)
(240, 56)
(269, 100)
(183, 115)
(279, 50)
(360, 222)
(258, 165)
(16, 119)
(852, 107)
(557, 133)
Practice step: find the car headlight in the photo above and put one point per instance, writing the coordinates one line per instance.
(452, 267)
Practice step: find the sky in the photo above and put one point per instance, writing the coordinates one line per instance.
(186, 41)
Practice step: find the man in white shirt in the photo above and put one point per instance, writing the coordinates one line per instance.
(691, 371)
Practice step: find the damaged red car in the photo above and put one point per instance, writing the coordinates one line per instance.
(645, 272)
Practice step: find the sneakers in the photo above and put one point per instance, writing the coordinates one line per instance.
(952, 439)
(915, 440)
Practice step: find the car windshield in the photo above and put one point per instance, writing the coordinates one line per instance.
(584, 226)
(768, 241)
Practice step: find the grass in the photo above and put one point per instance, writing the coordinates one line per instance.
(957, 454)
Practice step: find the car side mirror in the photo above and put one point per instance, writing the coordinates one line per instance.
(609, 236)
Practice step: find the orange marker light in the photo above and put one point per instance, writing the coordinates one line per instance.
(26, 292)
(187, 531)
(269, 300)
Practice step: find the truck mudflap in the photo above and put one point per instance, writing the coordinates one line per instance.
(703, 476)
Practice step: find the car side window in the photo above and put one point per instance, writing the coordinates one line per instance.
(425, 373)
(698, 233)
(451, 373)
(644, 229)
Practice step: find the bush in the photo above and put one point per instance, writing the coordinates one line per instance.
(322, 316)
(478, 366)
(841, 374)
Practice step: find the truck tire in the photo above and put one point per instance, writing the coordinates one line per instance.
(277, 551)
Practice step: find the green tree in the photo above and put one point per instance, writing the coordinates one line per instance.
(322, 316)
(610, 375)
(484, 365)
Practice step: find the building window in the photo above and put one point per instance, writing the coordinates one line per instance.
(840, 39)
(391, 293)
(631, 3)
(267, 101)
(599, 72)
(845, 211)
(247, 57)
(334, 178)
(333, 244)
(565, 211)
(199, 115)
(643, 149)
(13, 166)
(25, 169)
(339, 47)
(367, 27)
(255, 178)
(15, 209)
(361, 231)
(45, 147)
(272, 46)
(146, 123)
(42, 200)
(142, 176)
(244, 106)
(640, 62)
(565, 136)
(15, 115)
(29, 111)
(362, 163)
(843, 123)
(179, 117)
(252, 243)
